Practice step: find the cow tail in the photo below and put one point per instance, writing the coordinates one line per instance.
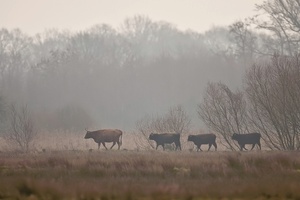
(120, 139)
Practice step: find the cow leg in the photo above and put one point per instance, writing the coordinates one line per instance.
(253, 145)
(104, 145)
(156, 146)
(209, 146)
(215, 145)
(178, 146)
(163, 145)
(118, 145)
(114, 143)
(200, 147)
(99, 145)
(241, 147)
(259, 145)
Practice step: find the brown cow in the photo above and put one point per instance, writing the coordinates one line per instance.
(105, 135)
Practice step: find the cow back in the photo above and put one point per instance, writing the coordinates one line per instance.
(208, 138)
(167, 138)
(107, 135)
(249, 138)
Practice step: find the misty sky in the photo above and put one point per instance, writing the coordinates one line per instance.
(34, 16)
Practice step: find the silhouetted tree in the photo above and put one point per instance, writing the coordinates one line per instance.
(21, 131)
(175, 120)
(273, 93)
(282, 19)
(244, 40)
(224, 112)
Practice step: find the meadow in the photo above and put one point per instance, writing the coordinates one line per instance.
(132, 174)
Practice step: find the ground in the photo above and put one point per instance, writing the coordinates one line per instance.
(131, 174)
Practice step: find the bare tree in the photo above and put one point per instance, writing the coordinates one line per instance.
(224, 112)
(269, 105)
(244, 39)
(144, 127)
(273, 93)
(283, 22)
(175, 120)
(21, 130)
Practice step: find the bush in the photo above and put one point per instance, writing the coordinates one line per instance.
(175, 120)
(21, 128)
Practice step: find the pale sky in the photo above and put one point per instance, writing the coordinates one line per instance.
(35, 16)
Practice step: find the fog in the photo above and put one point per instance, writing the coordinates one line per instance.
(102, 77)
(93, 66)
(151, 75)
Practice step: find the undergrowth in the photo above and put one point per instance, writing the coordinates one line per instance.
(150, 175)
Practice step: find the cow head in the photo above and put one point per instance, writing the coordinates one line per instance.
(190, 138)
(151, 136)
(87, 135)
(235, 136)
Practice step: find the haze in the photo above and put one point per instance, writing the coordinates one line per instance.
(119, 60)
(34, 16)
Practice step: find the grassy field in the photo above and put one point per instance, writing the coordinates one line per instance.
(150, 175)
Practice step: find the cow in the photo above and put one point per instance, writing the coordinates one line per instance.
(166, 138)
(249, 138)
(105, 135)
(200, 139)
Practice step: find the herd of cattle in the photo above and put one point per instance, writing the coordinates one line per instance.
(115, 136)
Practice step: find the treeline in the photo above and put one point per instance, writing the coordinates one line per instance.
(115, 76)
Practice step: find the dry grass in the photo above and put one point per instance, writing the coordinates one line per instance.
(61, 166)
(63, 141)
(150, 175)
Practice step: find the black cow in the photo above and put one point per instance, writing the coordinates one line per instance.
(249, 138)
(166, 138)
(200, 139)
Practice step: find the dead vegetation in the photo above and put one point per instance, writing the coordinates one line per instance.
(149, 175)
